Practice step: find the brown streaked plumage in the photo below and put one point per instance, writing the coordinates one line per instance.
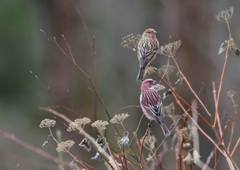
(146, 51)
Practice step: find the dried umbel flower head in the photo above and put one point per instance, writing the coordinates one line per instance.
(149, 70)
(47, 123)
(100, 125)
(225, 15)
(231, 93)
(78, 123)
(85, 144)
(170, 49)
(64, 146)
(119, 118)
(131, 41)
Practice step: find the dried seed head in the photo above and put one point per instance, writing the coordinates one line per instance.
(78, 123)
(119, 118)
(169, 49)
(231, 93)
(131, 42)
(47, 123)
(100, 125)
(63, 146)
(225, 15)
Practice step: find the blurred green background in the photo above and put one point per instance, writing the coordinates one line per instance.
(23, 48)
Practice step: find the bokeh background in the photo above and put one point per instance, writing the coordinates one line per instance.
(23, 48)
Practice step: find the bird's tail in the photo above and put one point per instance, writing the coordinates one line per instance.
(165, 130)
(140, 74)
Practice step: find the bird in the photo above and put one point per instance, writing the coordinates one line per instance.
(146, 50)
(151, 104)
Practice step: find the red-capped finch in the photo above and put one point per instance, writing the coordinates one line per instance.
(146, 50)
(151, 104)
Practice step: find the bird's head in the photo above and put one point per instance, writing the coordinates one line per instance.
(147, 84)
(150, 33)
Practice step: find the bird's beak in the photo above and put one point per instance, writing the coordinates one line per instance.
(154, 82)
(155, 32)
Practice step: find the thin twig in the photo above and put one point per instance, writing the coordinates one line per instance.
(135, 156)
(222, 77)
(181, 99)
(30, 147)
(137, 127)
(69, 153)
(235, 147)
(58, 47)
(47, 88)
(69, 49)
(206, 167)
(190, 87)
(139, 148)
(144, 137)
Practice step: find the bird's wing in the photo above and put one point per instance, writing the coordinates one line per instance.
(151, 100)
(146, 51)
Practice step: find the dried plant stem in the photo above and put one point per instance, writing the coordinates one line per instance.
(144, 137)
(69, 153)
(233, 125)
(196, 124)
(110, 160)
(124, 158)
(58, 47)
(109, 150)
(231, 136)
(220, 89)
(135, 156)
(47, 88)
(205, 167)
(224, 131)
(60, 154)
(156, 150)
(215, 103)
(235, 147)
(195, 141)
(177, 98)
(179, 153)
(190, 87)
(180, 98)
(93, 69)
(69, 49)
(139, 148)
(32, 148)
(137, 127)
